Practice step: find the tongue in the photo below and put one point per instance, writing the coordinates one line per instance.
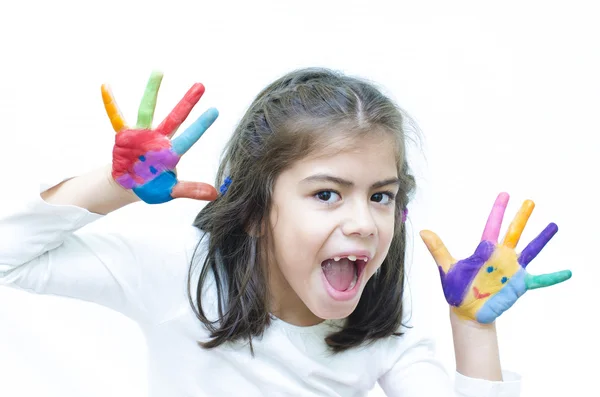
(339, 274)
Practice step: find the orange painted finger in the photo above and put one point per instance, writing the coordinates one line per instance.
(194, 190)
(438, 250)
(515, 230)
(112, 110)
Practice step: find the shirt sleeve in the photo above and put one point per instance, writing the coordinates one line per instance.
(43, 249)
(415, 371)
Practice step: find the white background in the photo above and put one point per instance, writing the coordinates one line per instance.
(506, 95)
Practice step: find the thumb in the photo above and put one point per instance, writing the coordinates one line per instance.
(194, 190)
(438, 250)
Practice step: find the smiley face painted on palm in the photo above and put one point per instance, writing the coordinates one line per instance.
(492, 277)
(490, 281)
(494, 274)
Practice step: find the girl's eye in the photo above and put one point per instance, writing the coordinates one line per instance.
(326, 195)
(384, 198)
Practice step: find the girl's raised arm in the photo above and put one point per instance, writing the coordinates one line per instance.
(43, 250)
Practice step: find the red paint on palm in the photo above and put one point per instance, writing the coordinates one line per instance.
(130, 145)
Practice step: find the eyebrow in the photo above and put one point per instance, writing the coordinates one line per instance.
(347, 183)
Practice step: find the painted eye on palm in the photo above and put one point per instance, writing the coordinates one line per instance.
(490, 281)
(144, 159)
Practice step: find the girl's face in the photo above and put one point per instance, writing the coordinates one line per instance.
(333, 222)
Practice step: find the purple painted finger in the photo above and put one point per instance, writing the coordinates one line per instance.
(494, 222)
(537, 244)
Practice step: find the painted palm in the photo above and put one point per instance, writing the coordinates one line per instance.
(489, 282)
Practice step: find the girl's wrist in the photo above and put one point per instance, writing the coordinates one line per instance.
(95, 191)
(127, 195)
(467, 325)
(476, 348)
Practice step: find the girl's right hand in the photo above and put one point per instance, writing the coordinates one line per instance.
(144, 159)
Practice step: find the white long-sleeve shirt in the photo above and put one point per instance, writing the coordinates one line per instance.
(143, 274)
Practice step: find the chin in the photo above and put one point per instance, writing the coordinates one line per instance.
(328, 309)
(338, 315)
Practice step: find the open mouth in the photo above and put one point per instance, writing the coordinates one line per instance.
(342, 273)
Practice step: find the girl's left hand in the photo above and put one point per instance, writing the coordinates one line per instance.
(489, 282)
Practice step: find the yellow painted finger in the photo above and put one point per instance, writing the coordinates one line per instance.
(438, 250)
(513, 234)
(112, 110)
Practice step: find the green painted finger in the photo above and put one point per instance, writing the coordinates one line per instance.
(546, 280)
(146, 109)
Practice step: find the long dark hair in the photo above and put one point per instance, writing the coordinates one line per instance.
(287, 121)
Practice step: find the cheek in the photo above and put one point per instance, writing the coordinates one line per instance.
(385, 236)
(299, 235)
(303, 217)
(386, 233)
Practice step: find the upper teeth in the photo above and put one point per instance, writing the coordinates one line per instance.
(351, 257)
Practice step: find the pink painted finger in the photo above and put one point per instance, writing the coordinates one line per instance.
(194, 190)
(178, 115)
(494, 221)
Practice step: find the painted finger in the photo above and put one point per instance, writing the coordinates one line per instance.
(438, 250)
(537, 244)
(546, 280)
(186, 140)
(112, 110)
(148, 105)
(178, 115)
(513, 234)
(494, 221)
(194, 190)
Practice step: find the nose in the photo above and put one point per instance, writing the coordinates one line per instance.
(359, 221)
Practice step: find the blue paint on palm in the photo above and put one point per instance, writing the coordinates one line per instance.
(158, 190)
(504, 299)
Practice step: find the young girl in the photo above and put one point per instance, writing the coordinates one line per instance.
(291, 280)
